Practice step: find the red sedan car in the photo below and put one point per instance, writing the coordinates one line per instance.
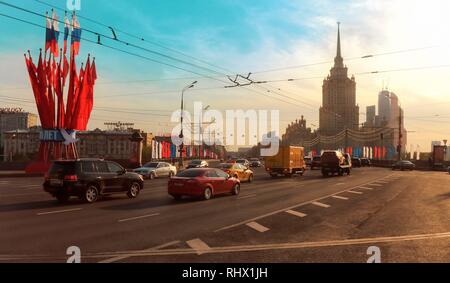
(202, 182)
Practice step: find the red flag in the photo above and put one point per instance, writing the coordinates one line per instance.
(32, 71)
(42, 81)
(73, 81)
(59, 93)
(79, 119)
(65, 70)
(90, 97)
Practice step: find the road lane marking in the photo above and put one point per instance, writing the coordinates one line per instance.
(375, 185)
(286, 208)
(131, 253)
(198, 246)
(340, 184)
(296, 213)
(31, 187)
(316, 203)
(382, 182)
(258, 227)
(138, 217)
(355, 192)
(339, 197)
(21, 195)
(247, 248)
(366, 188)
(59, 211)
(247, 196)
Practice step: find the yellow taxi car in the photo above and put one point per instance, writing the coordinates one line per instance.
(237, 171)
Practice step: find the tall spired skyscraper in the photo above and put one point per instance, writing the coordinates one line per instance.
(339, 110)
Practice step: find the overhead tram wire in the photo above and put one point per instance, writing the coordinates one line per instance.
(176, 59)
(99, 34)
(143, 57)
(134, 36)
(348, 59)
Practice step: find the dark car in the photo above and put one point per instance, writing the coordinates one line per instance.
(255, 162)
(89, 179)
(356, 162)
(403, 165)
(202, 182)
(365, 162)
(315, 163)
(198, 164)
(448, 169)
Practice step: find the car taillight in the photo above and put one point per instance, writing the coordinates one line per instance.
(72, 178)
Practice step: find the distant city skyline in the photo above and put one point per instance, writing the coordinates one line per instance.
(243, 37)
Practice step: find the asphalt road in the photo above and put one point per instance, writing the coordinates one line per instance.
(302, 219)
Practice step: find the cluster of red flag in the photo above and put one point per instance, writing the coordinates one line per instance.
(49, 78)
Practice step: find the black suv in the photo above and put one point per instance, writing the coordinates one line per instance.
(89, 179)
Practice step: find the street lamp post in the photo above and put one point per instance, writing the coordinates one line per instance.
(181, 136)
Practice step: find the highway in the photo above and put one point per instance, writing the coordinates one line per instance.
(301, 219)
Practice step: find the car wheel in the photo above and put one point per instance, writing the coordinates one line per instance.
(151, 176)
(273, 175)
(171, 174)
(90, 194)
(62, 197)
(236, 189)
(134, 190)
(250, 178)
(177, 197)
(341, 172)
(207, 194)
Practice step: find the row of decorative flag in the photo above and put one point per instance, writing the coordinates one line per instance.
(371, 152)
(167, 150)
(49, 78)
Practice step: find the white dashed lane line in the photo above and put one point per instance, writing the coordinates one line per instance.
(247, 196)
(258, 227)
(355, 192)
(366, 188)
(316, 203)
(339, 197)
(296, 213)
(198, 245)
(59, 211)
(375, 185)
(139, 217)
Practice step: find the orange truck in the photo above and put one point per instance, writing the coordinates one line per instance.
(288, 161)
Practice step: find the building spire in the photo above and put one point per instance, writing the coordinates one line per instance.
(338, 61)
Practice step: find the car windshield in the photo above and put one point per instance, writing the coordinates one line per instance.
(190, 173)
(225, 165)
(240, 161)
(151, 165)
(196, 162)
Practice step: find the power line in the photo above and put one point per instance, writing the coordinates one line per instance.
(134, 36)
(146, 58)
(347, 59)
(98, 34)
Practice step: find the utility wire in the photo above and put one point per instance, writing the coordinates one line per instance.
(144, 57)
(134, 36)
